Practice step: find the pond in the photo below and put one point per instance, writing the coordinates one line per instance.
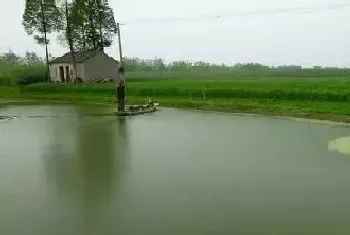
(63, 171)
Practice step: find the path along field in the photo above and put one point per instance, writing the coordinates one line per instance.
(322, 98)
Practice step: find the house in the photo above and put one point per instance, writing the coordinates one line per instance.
(92, 66)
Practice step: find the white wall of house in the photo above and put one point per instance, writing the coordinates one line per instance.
(80, 70)
(55, 71)
(100, 66)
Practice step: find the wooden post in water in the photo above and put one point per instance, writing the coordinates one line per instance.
(120, 91)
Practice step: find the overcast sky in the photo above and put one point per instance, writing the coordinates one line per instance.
(313, 38)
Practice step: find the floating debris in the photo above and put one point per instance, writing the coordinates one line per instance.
(5, 118)
(132, 110)
(340, 145)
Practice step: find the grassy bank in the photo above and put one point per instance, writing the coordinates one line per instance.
(321, 98)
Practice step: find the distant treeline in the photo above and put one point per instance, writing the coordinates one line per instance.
(157, 67)
(30, 68)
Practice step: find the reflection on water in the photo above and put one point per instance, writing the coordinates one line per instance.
(66, 171)
(173, 172)
(88, 175)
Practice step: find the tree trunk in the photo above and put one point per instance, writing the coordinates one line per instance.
(91, 19)
(70, 42)
(99, 8)
(48, 77)
(84, 39)
(101, 34)
(43, 18)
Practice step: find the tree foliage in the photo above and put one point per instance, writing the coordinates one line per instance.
(92, 24)
(41, 17)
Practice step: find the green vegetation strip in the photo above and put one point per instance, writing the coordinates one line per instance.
(310, 98)
(334, 89)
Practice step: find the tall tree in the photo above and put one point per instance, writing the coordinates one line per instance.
(40, 18)
(100, 5)
(70, 36)
(78, 12)
(93, 24)
(107, 24)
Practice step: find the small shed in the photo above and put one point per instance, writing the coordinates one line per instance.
(92, 66)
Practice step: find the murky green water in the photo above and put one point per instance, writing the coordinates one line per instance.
(169, 173)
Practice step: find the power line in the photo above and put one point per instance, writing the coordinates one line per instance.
(237, 14)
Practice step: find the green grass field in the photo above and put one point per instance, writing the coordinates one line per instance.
(298, 89)
(311, 89)
(322, 98)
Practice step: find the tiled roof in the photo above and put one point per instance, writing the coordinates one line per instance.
(80, 57)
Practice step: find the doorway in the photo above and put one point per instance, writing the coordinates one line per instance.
(67, 74)
(61, 73)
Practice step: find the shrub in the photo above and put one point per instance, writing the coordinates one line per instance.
(16, 70)
(31, 75)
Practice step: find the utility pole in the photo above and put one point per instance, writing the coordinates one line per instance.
(120, 91)
(120, 46)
